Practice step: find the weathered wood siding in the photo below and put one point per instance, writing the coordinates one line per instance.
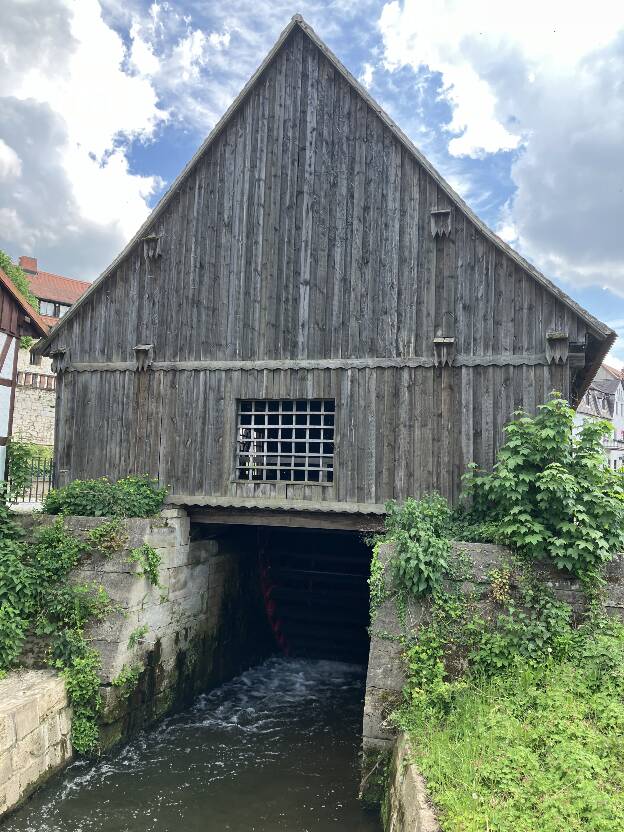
(304, 233)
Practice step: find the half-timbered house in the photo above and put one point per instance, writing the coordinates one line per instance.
(311, 320)
(17, 319)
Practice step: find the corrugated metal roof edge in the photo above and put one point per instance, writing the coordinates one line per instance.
(332, 507)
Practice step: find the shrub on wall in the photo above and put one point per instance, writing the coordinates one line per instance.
(551, 492)
(128, 497)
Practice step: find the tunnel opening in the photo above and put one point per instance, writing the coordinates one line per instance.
(313, 585)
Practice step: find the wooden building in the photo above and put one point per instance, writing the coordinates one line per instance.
(17, 319)
(311, 319)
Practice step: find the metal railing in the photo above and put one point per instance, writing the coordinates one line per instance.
(41, 475)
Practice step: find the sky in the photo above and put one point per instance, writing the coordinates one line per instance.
(519, 107)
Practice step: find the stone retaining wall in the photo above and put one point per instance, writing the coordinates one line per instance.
(204, 623)
(386, 676)
(406, 807)
(35, 721)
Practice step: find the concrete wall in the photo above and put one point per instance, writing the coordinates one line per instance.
(386, 676)
(35, 399)
(34, 733)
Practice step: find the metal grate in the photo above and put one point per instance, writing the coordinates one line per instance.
(286, 440)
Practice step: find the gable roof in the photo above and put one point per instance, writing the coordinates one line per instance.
(615, 373)
(36, 321)
(601, 330)
(48, 286)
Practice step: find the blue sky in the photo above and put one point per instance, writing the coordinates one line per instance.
(522, 114)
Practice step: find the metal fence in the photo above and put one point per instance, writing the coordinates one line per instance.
(41, 474)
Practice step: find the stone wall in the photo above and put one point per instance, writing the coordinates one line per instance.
(35, 400)
(386, 676)
(204, 623)
(407, 807)
(35, 741)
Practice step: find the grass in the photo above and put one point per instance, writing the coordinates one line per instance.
(536, 749)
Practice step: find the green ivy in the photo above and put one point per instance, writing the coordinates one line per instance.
(149, 561)
(128, 679)
(376, 583)
(128, 497)
(137, 636)
(80, 668)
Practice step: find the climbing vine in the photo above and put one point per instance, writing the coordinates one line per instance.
(37, 596)
(148, 560)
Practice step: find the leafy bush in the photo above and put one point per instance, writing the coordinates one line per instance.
(18, 279)
(419, 531)
(128, 497)
(551, 492)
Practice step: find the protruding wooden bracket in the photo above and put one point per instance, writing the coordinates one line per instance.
(60, 359)
(144, 357)
(557, 347)
(152, 247)
(443, 351)
(441, 222)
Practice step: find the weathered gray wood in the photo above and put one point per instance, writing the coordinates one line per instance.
(298, 262)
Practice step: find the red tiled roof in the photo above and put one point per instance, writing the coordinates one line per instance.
(47, 286)
(613, 371)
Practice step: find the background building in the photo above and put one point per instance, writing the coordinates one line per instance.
(18, 319)
(33, 417)
(604, 399)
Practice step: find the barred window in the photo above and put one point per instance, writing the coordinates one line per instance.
(285, 440)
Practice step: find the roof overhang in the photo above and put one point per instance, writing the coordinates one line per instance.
(34, 318)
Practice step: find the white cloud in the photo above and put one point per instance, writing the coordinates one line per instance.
(10, 162)
(72, 109)
(545, 83)
(366, 77)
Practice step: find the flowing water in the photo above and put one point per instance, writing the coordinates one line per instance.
(274, 749)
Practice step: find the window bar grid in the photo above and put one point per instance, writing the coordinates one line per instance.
(285, 440)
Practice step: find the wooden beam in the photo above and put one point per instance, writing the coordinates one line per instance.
(286, 519)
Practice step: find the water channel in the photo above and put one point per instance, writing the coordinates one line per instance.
(274, 749)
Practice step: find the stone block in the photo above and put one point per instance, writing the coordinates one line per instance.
(202, 550)
(53, 730)
(385, 665)
(378, 706)
(30, 776)
(12, 791)
(26, 718)
(65, 722)
(6, 768)
(7, 731)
